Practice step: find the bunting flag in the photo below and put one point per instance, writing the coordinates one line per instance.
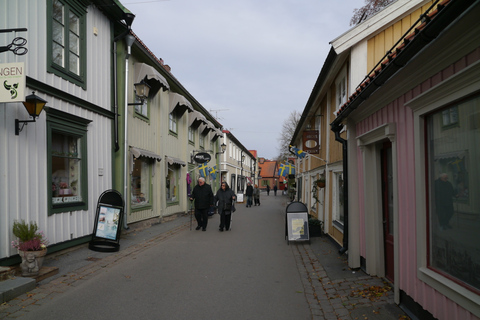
(213, 172)
(204, 170)
(299, 153)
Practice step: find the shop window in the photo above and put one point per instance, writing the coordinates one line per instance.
(67, 154)
(172, 183)
(338, 213)
(453, 176)
(141, 182)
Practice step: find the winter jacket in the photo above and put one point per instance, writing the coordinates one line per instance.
(249, 191)
(203, 196)
(256, 193)
(224, 196)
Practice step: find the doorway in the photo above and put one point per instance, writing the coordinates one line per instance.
(387, 208)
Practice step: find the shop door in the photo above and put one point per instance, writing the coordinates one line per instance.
(387, 208)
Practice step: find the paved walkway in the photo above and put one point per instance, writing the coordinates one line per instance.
(331, 290)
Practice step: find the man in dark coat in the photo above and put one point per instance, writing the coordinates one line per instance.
(203, 196)
(444, 194)
(249, 194)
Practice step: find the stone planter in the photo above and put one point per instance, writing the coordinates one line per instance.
(32, 262)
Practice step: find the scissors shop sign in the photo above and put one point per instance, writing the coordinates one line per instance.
(12, 82)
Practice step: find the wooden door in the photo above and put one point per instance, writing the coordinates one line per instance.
(387, 208)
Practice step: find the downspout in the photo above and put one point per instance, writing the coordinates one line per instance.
(336, 129)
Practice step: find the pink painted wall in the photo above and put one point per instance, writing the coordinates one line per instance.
(440, 306)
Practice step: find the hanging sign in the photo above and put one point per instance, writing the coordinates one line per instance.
(202, 157)
(12, 82)
(310, 141)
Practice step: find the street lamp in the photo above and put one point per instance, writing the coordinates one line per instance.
(34, 106)
(142, 89)
(223, 147)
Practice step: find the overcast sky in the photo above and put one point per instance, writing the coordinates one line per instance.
(249, 62)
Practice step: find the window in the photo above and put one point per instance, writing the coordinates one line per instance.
(172, 122)
(453, 175)
(67, 39)
(341, 88)
(191, 134)
(141, 109)
(338, 214)
(67, 154)
(172, 183)
(141, 182)
(202, 140)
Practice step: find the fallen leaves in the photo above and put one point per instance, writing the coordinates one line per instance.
(372, 292)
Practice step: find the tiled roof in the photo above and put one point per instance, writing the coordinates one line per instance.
(430, 24)
(268, 168)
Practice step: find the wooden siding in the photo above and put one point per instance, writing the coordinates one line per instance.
(398, 113)
(23, 159)
(383, 41)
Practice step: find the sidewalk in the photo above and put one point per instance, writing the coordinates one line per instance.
(332, 290)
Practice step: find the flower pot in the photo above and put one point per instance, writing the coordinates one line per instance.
(321, 184)
(32, 262)
(315, 231)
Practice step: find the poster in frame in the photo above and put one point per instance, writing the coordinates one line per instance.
(107, 224)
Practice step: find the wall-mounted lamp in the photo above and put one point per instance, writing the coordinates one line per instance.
(223, 147)
(241, 161)
(142, 89)
(34, 106)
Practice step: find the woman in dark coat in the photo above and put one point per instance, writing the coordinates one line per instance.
(225, 196)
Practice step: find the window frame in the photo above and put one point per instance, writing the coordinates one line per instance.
(175, 168)
(173, 123)
(68, 124)
(62, 71)
(457, 87)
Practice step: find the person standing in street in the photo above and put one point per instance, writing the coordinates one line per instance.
(256, 195)
(249, 194)
(275, 190)
(268, 189)
(203, 195)
(225, 196)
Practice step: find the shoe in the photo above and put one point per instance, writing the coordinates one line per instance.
(204, 229)
(197, 228)
(226, 229)
(221, 229)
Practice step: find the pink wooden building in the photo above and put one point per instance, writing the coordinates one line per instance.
(414, 161)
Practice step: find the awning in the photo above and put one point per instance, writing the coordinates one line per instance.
(179, 103)
(206, 127)
(173, 160)
(196, 118)
(154, 79)
(137, 153)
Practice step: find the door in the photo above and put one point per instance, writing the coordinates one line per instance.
(387, 208)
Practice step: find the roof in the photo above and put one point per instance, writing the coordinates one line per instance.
(425, 30)
(268, 169)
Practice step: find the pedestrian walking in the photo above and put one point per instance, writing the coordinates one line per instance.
(256, 195)
(249, 194)
(225, 197)
(268, 190)
(275, 190)
(203, 195)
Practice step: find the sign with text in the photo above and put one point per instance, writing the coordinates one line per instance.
(12, 82)
(310, 141)
(297, 226)
(202, 157)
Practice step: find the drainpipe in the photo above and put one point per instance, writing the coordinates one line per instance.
(336, 129)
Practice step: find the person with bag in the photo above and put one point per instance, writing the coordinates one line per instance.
(225, 197)
(203, 195)
(256, 195)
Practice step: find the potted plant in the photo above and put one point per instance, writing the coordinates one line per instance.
(31, 245)
(315, 226)
(320, 182)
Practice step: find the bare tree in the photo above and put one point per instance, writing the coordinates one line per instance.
(288, 129)
(371, 7)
